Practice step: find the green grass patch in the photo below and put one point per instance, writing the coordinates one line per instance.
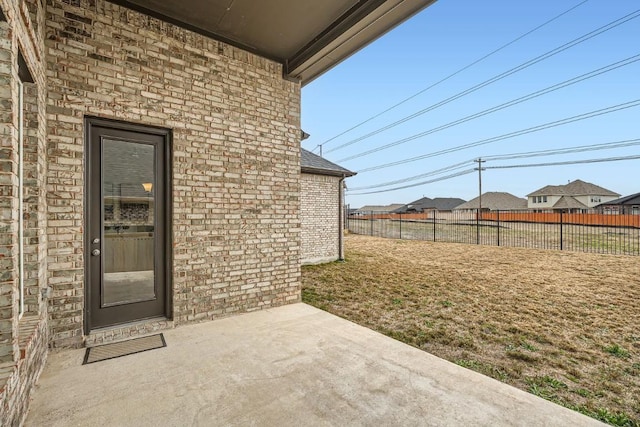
(620, 419)
(583, 392)
(617, 351)
(547, 382)
(310, 296)
(484, 368)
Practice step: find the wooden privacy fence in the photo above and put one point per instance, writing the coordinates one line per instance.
(510, 216)
(564, 218)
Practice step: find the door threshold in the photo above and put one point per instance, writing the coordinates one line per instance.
(125, 331)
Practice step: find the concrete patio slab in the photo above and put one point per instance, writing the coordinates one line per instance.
(290, 366)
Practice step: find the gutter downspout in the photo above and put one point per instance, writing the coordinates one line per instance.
(341, 218)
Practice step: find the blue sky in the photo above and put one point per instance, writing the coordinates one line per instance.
(450, 35)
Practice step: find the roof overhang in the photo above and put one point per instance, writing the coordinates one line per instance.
(327, 172)
(308, 37)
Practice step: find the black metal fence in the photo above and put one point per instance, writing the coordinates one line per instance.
(584, 232)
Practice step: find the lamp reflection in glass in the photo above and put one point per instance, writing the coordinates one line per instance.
(148, 186)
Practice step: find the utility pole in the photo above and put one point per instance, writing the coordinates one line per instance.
(320, 149)
(479, 169)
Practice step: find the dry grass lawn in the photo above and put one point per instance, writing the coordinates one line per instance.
(562, 325)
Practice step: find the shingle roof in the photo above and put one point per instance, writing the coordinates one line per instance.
(378, 208)
(574, 188)
(633, 199)
(568, 202)
(495, 201)
(417, 205)
(311, 163)
(447, 203)
(439, 203)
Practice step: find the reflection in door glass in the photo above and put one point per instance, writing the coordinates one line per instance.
(128, 189)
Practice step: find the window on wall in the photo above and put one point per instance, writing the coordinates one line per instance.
(24, 77)
(539, 199)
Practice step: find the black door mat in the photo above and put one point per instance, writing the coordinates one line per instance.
(123, 348)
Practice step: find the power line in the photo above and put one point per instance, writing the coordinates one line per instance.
(578, 149)
(465, 172)
(413, 178)
(611, 67)
(477, 61)
(570, 162)
(554, 152)
(605, 28)
(521, 132)
(529, 154)
(528, 165)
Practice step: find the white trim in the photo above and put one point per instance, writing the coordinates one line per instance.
(21, 197)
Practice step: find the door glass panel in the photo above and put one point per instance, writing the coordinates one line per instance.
(128, 191)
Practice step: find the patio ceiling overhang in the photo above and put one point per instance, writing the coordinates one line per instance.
(308, 37)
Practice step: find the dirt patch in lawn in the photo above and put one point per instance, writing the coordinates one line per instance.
(562, 325)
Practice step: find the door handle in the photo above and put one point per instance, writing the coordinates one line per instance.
(95, 252)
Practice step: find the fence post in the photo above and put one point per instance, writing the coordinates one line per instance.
(561, 237)
(400, 214)
(498, 217)
(345, 216)
(371, 223)
(478, 226)
(434, 226)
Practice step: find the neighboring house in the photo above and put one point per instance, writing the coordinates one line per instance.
(576, 196)
(493, 201)
(321, 209)
(425, 204)
(201, 101)
(629, 205)
(378, 209)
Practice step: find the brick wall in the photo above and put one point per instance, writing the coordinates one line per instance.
(319, 215)
(18, 384)
(23, 342)
(9, 191)
(235, 124)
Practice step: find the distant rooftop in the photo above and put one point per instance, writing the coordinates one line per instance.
(495, 201)
(633, 199)
(574, 188)
(568, 202)
(426, 203)
(379, 208)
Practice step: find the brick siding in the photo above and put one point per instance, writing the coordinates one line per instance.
(23, 342)
(319, 215)
(235, 124)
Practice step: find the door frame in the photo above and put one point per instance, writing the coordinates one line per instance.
(91, 122)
